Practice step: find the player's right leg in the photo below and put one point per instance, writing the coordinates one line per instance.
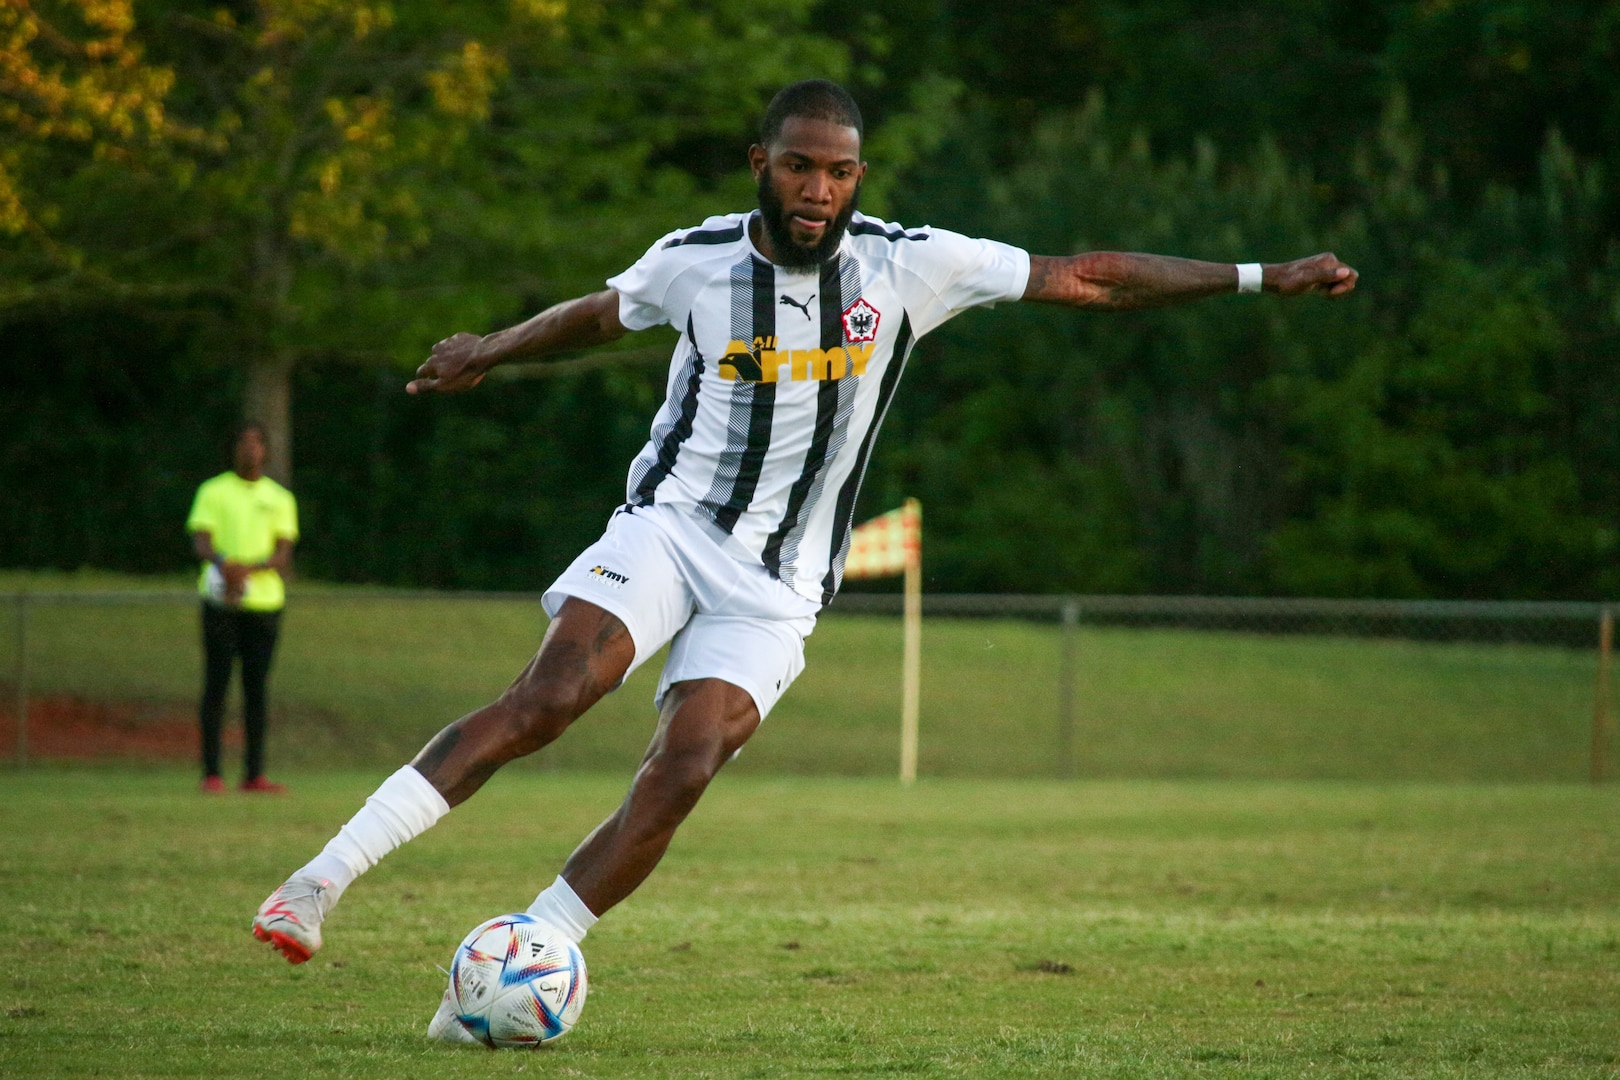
(586, 652)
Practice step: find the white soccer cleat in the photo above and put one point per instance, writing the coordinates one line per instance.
(291, 918)
(445, 1027)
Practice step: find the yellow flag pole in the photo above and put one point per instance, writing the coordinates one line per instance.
(911, 674)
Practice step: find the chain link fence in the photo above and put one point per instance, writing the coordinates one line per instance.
(1069, 686)
(1560, 625)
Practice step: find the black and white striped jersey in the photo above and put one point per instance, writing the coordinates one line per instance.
(782, 377)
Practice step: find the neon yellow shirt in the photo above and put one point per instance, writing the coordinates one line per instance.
(245, 518)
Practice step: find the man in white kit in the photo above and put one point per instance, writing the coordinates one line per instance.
(796, 323)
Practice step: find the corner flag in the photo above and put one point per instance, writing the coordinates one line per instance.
(887, 545)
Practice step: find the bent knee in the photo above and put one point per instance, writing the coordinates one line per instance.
(683, 773)
(537, 712)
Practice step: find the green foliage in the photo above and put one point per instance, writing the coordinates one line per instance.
(1429, 458)
(110, 422)
(613, 124)
(1423, 438)
(82, 109)
(286, 194)
(364, 180)
(1453, 454)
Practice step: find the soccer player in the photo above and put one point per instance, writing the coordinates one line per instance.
(796, 322)
(243, 527)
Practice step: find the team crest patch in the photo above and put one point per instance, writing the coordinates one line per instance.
(861, 321)
(611, 578)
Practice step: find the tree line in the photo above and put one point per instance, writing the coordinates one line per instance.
(273, 208)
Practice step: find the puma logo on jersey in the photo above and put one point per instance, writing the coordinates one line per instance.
(762, 361)
(804, 307)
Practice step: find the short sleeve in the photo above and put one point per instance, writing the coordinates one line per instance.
(643, 287)
(968, 273)
(286, 523)
(204, 516)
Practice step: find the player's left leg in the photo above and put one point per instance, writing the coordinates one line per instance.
(256, 632)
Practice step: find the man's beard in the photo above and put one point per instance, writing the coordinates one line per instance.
(789, 252)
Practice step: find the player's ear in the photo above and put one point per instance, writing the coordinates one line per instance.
(758, 158)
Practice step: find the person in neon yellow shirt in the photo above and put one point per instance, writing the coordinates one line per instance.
(243, 525)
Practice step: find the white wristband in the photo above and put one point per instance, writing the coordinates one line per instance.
(1248, 277)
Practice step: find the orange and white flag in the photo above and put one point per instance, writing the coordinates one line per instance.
(885, 545)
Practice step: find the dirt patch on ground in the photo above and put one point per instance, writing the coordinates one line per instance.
(72, 728)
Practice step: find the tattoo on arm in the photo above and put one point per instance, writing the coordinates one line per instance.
(1040, 273)
(1119, 281)
(1091, 280)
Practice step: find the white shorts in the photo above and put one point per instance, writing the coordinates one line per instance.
(668, 580)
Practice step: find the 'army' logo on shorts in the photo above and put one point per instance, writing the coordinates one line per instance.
(611, 578)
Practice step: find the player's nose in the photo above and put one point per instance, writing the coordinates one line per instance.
(818, 188)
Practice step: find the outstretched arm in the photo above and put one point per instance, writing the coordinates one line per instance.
(461, 361)
(1115, 281)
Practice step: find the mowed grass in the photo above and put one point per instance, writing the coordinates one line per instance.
(363, 680)
(824, 926)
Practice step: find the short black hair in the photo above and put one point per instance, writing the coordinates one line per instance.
(242, 428)
(812, 99)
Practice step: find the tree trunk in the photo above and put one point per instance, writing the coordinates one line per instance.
(267, 400)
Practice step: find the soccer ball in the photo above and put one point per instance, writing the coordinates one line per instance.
(517, 981)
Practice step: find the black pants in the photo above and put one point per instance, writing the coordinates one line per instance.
(229, 633)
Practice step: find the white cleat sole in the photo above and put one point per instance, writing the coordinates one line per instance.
(446, 1028)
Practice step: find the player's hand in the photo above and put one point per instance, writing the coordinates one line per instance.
(235, 575)
(454, 366)
(1322, 273)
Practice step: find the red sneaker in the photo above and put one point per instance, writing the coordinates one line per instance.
(264, 787)
(212, 785)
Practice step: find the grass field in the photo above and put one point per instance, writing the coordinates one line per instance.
(364, 679)
(822, 926)
(1291, 856)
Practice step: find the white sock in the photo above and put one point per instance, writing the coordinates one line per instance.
(560, 906)
(403, 808)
